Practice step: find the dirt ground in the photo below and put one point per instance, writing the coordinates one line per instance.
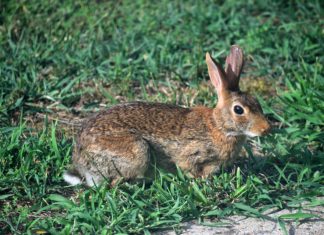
(256, 226)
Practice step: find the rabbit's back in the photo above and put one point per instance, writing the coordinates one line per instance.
(145, 119)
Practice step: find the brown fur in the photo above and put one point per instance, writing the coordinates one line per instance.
(120, 142)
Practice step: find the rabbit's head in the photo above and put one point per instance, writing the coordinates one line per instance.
(237, 112)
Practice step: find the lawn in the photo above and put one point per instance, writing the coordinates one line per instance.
(61, 61)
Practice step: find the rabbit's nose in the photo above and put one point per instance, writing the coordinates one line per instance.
(265, 129)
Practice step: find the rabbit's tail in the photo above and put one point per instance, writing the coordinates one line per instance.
(72, 177)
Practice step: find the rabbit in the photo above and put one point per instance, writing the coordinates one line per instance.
(119, 143)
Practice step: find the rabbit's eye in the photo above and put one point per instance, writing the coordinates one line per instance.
(238, 110)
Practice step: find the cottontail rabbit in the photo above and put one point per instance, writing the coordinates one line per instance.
(119, 142)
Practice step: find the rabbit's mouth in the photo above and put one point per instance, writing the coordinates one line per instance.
(244, 133)
(251, 134)
(261, 132)
(234, 133)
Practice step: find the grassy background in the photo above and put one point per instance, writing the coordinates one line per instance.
(61, 60)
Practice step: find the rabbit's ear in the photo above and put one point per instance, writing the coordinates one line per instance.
(233, 67)
(217, 77)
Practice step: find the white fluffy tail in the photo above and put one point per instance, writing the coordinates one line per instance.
(71, 178)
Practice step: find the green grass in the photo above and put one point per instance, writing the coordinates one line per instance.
(61, 60)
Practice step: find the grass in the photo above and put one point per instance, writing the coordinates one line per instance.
(60, 61)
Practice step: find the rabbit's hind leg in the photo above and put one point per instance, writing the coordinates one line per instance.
(114, 158)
